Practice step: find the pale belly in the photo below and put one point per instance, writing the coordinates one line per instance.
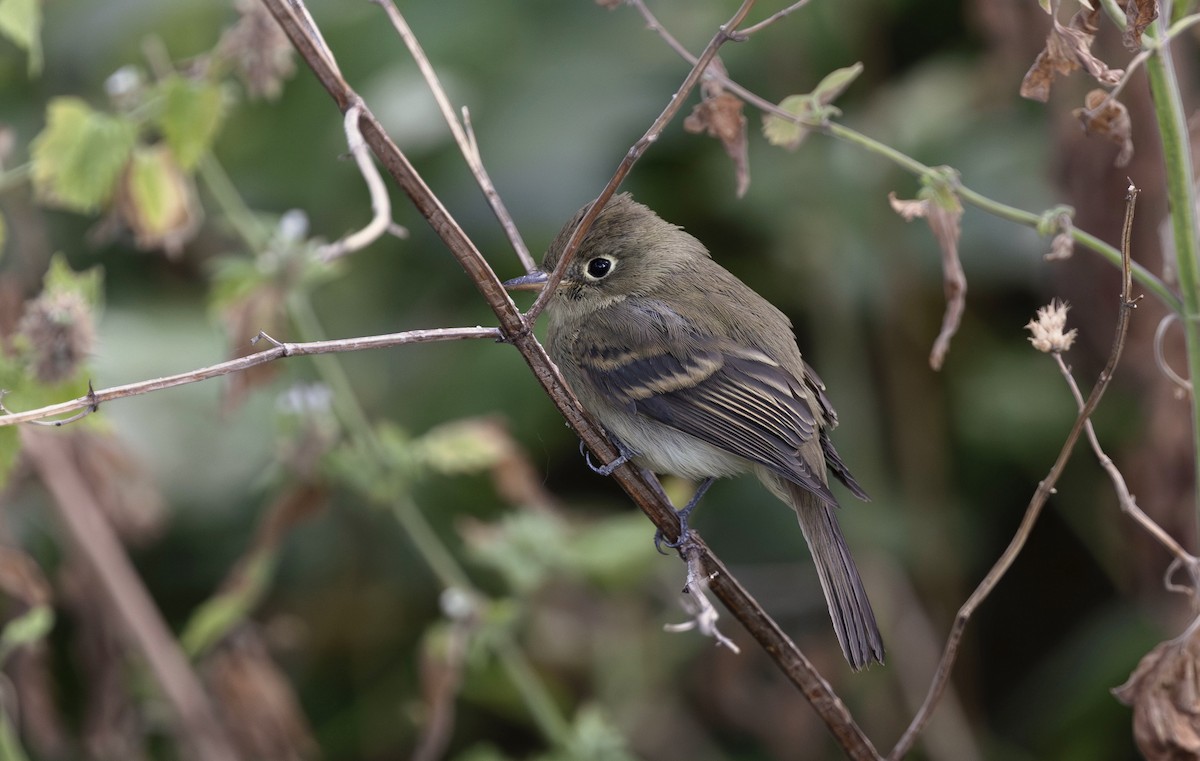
(663, 449)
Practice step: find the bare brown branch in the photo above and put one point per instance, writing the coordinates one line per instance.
(278, 350)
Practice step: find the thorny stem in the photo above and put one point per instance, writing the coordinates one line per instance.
(950, 653)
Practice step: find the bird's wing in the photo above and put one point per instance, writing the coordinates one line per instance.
(833, 460)
(733, 397)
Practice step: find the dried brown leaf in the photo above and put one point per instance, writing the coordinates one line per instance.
(946, 227)
(1164, 692)
(259, 310)
(1067, 49)
(909, 208)
(130, 499)
(22, 579)
(256, 701)
(942, 211)
(1139, 14)
(1062, 247)
(1108, 117)
(259, 49)
(719, 114)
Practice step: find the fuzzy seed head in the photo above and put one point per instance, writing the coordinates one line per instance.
(1049, 334)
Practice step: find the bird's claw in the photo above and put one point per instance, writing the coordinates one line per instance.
(605, 470)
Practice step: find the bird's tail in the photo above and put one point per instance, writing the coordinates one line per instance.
(853, 619)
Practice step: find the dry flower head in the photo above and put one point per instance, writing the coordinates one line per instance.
(1048, 329)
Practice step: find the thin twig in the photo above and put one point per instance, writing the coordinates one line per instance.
(131, 604)
(723, 35)
(1033, 510)
(278, 350)
(743, 34)
(462, 134)
(704, 613)
(381, 204)
(1124, 498)
(646, 493)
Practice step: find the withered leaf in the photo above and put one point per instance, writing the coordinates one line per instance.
(721, 116)
(1107, 117)
(1067, 49)
(1164, 692)
(259, 50)
(1139, 14)
(941, 209)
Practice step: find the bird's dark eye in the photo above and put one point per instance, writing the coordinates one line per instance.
(599, 267)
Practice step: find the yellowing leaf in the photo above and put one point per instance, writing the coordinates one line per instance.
(783, 132)
(190, 118)
(813, 108)
(157, 201)
(78, 157)
(21, 22)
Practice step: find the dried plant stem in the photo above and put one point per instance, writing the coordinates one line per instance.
(278, 350)
(1126, 500)
(1033, 510)
(148, 633)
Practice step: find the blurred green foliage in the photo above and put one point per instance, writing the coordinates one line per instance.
(351, 598)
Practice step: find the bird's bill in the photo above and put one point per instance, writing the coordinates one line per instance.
(531, 282)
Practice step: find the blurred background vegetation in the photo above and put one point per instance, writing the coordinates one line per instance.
(278, 541)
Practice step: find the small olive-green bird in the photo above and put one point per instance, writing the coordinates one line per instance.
(698, 376)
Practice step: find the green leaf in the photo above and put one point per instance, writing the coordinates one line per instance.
(835, 83)
(10, 446)
(811, 109)
(88, 284)
(26, 629)
(79, 156)
(158, 201)
(21, 22)
(786, 133)
(10, 742)
(3, 234)
(190, 118)
(218, 615)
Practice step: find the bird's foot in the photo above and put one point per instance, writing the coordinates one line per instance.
(624, 456)
(685, 533)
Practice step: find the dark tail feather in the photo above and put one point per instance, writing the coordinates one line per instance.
(853, 619)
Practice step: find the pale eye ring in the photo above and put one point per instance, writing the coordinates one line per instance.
(600, 267)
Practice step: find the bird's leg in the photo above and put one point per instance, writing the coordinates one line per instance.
(624, 456)
(683, 514)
